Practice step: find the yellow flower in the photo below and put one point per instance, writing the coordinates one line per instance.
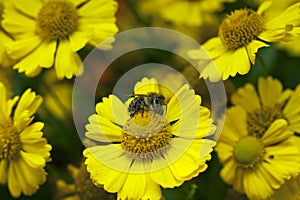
(151, 148)
(254, 165)
(82, 188)
(190, 13)
(23, 151)
(5, 61)
(50, 32)
(270, 103)
(240, 36)
(293, 47)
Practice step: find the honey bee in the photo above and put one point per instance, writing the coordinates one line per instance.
(146, 102)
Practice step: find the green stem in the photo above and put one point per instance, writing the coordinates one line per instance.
(263, 65)
(136, 13)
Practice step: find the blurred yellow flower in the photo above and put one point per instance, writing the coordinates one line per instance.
(50, 32)
(241, 34)
(149, 149)
(5, 60)
(252, 165)
(23, 151)
(186, 12)
(290, 190)
(270, 103)
(292, 47)
(82, 188)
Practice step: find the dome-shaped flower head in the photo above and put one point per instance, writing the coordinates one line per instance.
(253, 165)
(23, 151)
(241, 34)
(149, 141)
(49, 32)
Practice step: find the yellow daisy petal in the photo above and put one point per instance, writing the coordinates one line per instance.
(292, 110)
(38, 58)
(103, 130)
(27, 106)
(32, 132)
(214, 47)
(88, 10)
(80, 37)
(287, 17)
(146, 86)
(67, 62)
(30, 8)
(33, 159)
(165, 178)
(22, 47)
(3, 171)
(228, 171)
(14, 188)
(252, 183)
(269, 90)
(113, 109)
(277, 132)
(247, 98)
(239, 64)
(252, 49)
(11, 22)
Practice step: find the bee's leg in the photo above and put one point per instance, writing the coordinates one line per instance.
(143, 107)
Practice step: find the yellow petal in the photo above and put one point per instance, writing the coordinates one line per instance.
(252, 49)
(33, 159)
(270, 90)
(277, 132)
(105, 9)
(80, 37)
(111, 179)
(42, 56)
(292, 110)
(239, 64)
(27, 106)
(13, 182)
(214, 48)
(103, 130)
(3, 171)
(255, 185)
(232, 130)
(228, 171)
(146, 86)
(32, 132)
(247, 98)
(113, 109)
(263, 7)
(22, 47)
(11, 22)
(67, 62)
(165, 178)
(29, 8)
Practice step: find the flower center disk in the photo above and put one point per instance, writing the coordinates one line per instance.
(146, 135)
(261, 119)
(240, 27)
(248, 151)
(57, 20)
(10, 143)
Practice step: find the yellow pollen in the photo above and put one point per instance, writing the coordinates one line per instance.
(248, 151)
(146, 135)
(240, 27)
(260, 120)
(10, 143)
(57, 20)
